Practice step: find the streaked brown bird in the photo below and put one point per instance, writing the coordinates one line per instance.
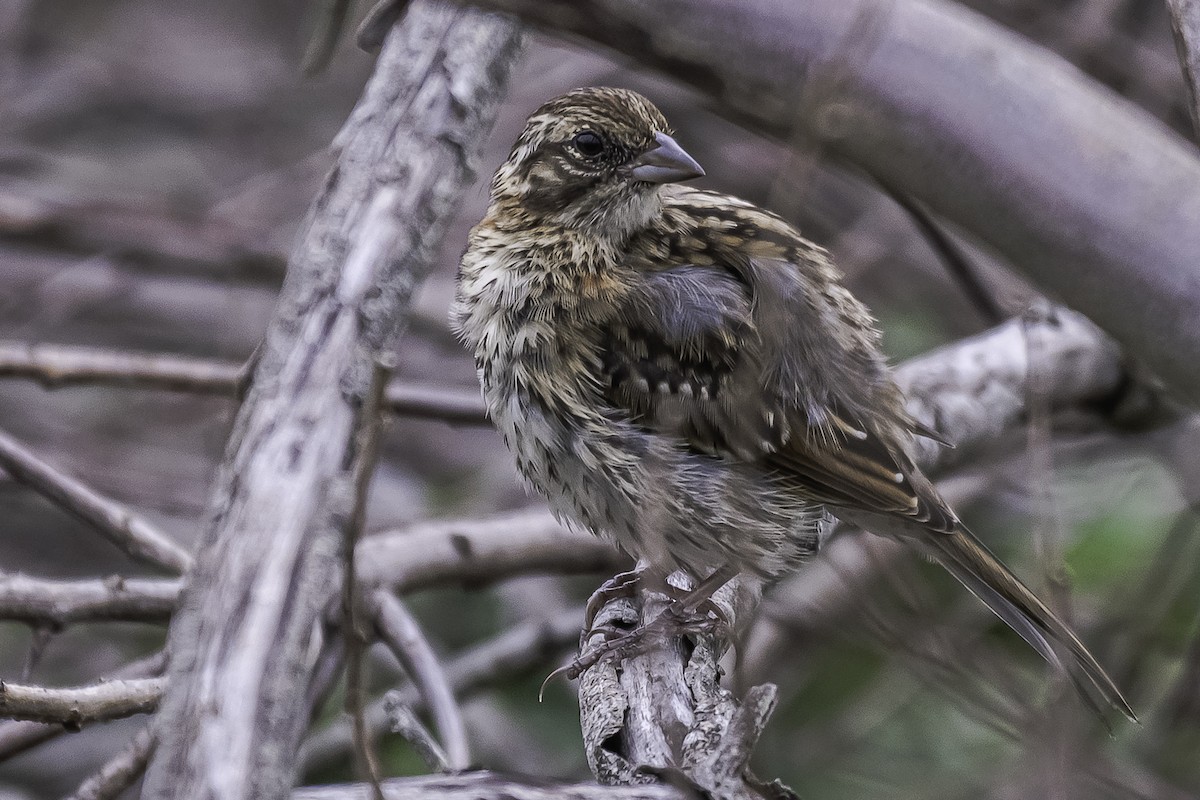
(683, 372)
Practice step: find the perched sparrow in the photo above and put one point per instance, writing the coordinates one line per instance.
(683, 372)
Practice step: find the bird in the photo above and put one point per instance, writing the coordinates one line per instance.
(681, 371)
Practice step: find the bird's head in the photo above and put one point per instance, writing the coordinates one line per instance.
(592, 160)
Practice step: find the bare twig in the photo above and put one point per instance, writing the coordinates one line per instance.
(81, 705)
(41, 634)
(120, 772)
(58, 603)
(402, 633)
(1185, 23)
(17, 737)
(403, 721)
(378, 21)
(491, 786)
(142, 234)
(133, 534)
(356, 634)
(326, 33)
(268, 559)
(957, 263)
(55, 366)
(512, 653)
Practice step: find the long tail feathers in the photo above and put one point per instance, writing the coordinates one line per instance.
(975, 567)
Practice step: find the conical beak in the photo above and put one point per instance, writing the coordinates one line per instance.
(665, 163)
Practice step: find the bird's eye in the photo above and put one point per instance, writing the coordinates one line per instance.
(588, 144)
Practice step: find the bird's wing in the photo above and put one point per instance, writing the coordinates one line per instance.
(737, 362)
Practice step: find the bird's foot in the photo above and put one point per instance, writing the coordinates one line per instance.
(691, 612)
(622, 585)
(680, 618)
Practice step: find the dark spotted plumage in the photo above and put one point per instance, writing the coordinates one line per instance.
(682, 371)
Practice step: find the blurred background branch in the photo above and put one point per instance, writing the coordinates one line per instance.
(1084, 193)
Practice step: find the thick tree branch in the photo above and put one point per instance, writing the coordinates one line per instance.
(1093, 199)
(242, 641)
(133, 534)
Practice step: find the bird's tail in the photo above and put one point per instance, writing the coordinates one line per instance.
(975, 567)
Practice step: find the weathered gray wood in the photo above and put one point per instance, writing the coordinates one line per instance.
(1185, 23)
(244, 640)
(489, 786)
(1093, 199)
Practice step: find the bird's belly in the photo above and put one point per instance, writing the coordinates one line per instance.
(659, 501)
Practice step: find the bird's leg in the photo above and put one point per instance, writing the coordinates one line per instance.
(688, 605)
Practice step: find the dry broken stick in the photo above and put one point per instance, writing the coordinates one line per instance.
(131, 533)
(79, 706)
(18, 736)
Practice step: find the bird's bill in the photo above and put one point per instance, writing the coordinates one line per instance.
(665, 163)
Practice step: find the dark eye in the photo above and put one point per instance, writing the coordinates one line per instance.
(588, 144)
